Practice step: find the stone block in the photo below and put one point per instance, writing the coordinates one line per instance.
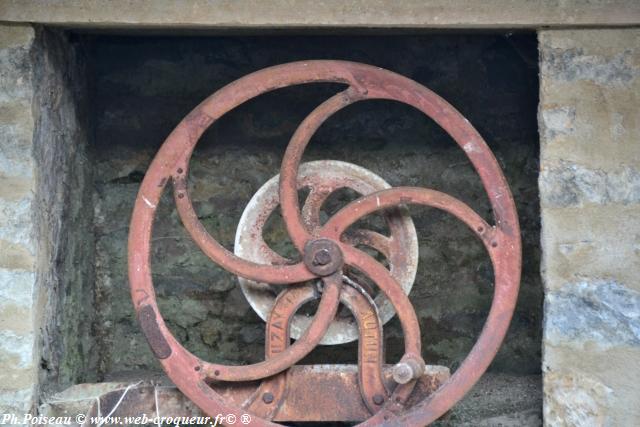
(17, 246)
(595, 314)
(589, 98)
(604, 56)
(601, 241)
(566, 183)
(590, 193)
(593, 387)
(12, 319)
(15, 257)
(13, 189)
(16, 401)
(16, 287)
(16, 222)
(15, 65)
(575, 401)
(16, 36)
(16, 352)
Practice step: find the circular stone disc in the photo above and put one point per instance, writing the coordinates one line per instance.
(322, 178)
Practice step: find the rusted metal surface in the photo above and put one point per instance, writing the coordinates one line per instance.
(329, 392)
(322, 178)
(331, 245)
(149, 325)
(370, 351)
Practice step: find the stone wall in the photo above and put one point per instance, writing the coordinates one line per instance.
(18, 243)
(145, 85)
(64, 214)
(46, 247)
(590, 195)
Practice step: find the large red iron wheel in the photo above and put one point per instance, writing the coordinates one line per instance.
(324, 250)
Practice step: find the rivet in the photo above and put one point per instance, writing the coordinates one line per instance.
(378, 399)
(267, 397)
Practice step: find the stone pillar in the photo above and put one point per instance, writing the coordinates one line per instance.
(590, 196)
(18, 334)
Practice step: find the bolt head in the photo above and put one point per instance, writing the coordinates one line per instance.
(267, 397)
(378, 399)
(322, 257)
(402, 373)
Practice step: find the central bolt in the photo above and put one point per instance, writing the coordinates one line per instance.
(322, 257)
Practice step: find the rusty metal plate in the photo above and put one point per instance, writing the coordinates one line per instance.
(313, 390)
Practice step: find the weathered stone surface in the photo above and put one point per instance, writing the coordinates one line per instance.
(590, 194)
(589, 99)
(569, 184)
(63, 214)
(18, 363)
(13, 256)
(328, 13)
(597, 241)
(45, 287)
(16, 401)
(17, 287)
(16, 36)
(558, 121)
(14, 188)
(593, 315)
(15, 222)
(573, 64)
(612, 368)
(575, 401)
(13, 319)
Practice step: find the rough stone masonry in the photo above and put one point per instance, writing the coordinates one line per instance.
(45, 239)
(18, 308)
(590, 194)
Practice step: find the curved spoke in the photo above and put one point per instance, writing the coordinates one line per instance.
(373, 239)
(365, 205)
(312, 205)
(274, 274)
(291, 161)
(393, 291)
(325, 313)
